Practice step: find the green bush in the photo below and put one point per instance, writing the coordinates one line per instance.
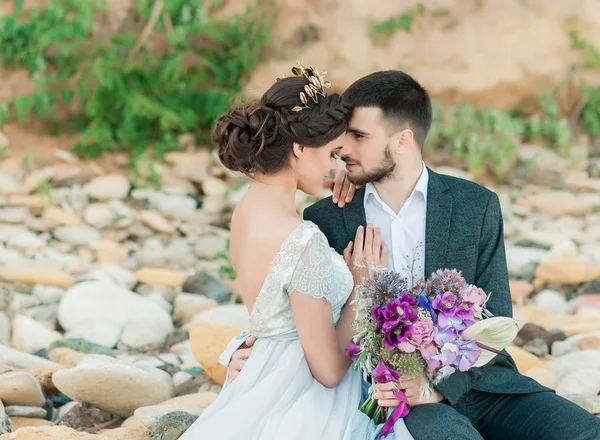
(129, 96)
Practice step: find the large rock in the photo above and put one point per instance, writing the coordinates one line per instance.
(565, 270)
(164, 277)
(115, 386)
(105, 301)
(108, 187)
(50, 433)
(208, 342)
(33, 276)
(580, 360)
(30, 336)
(77, 234)
(17, 359)
(20, 388)
(149, 415)
(525, 361)
(231, 314)
(23, 422)
(172, 426)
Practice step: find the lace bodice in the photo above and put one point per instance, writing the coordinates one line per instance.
(307, 264)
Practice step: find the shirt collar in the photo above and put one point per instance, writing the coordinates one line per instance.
(420, 187)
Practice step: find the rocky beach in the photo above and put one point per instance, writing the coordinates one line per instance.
(116, 299)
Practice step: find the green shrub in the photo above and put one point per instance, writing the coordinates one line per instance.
(129, 96)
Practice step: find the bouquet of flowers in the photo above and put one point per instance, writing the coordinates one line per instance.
(432, 328)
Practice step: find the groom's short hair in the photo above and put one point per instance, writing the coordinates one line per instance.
(400, 97)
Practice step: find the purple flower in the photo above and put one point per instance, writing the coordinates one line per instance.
(468, 353)
(464, 310)
(447, 355)
(445, 303)
(444, 335)
(394, 338)
(455, 322)
(399, 311)
(353, 350)
(396, 319)
(383, 374)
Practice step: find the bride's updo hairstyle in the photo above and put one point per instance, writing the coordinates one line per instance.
(258, 137)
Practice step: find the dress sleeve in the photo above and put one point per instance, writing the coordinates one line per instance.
(312, 275)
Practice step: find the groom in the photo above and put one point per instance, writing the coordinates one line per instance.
(455, 224)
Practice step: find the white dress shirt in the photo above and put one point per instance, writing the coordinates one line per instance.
(402, 232)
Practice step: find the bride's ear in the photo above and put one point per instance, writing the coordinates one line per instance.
(297, 150)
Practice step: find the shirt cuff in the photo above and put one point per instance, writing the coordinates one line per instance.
(232, 347)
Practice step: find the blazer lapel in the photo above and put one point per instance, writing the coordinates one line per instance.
(354, 213)
(437, 223)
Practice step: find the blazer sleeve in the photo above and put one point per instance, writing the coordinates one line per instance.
(492, 276)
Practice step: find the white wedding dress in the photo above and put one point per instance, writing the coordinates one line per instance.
(275, 397)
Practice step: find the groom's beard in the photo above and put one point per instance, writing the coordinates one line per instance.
(383, 171)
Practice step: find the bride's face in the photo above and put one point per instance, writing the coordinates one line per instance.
(313, 164)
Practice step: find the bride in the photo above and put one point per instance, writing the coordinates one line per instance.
(298, 383)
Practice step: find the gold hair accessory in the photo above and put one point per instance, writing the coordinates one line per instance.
(317, 84)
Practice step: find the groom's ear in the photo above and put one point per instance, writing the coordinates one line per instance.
(404, 138)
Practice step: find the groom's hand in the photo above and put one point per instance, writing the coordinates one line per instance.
(343, 191)
(239, 358)
(412, 390)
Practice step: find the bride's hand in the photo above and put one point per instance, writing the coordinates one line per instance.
(343, 191)
(366, 251)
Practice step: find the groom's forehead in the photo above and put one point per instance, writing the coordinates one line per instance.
(365, 117)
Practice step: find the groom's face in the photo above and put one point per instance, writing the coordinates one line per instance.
(367, 150)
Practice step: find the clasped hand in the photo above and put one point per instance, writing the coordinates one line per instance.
(412, 388)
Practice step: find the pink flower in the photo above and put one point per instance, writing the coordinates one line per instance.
(422, 334)
(428, 350)
(477, 297)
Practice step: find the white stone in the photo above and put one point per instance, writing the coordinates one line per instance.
(214, 187)
(571, 344)
(554, 302)
(77, 234)
(30, 336)
(17, 359)
(15, 214)
(5, 329)
(20, 388)
(113, 385)
(99, 215)
(113, 186)
(140, 333)
(109, 302)
(8, 231)
(579, 360)
(7, 255)
(208, 246)
(27, 240)
(581, 381)
(157, 298)
(26, 411)
(113, 274)
(9, 185)
(517, 257)
(48, 294)
(98, 331)
(235, 315)
(179, 207)
(157, 222)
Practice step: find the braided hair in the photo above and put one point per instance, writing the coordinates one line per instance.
(258, 137)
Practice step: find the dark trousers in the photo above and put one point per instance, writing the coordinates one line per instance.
(536, 416)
